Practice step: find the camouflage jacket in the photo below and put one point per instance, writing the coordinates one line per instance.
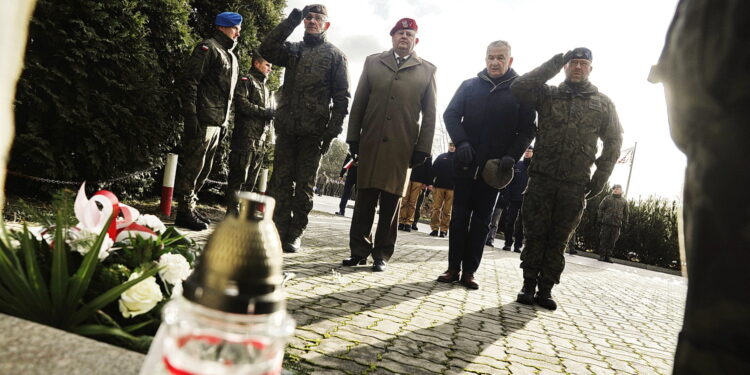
(208, 79)
(613, 210)
(570, 122)
(251, 99)
(316, 76)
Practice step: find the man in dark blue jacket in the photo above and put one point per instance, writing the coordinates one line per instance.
(350, 169)
(514, 228)
(491, 130)
(443, 181)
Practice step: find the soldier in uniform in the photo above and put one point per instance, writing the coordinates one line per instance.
(704, 67)
(395, 91)
(314, 101)
(206, 90)
(252, 115)
(612, 214)
(572, 117)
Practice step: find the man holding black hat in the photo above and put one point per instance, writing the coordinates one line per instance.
(491, 130)
(612, 214)
(572, 118)
(314, 101)
(395, 91)
(207, 87)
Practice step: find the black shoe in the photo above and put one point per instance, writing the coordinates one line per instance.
(338, 213)
(401, 227)
(291, 247)
(443, 234)
(517, 250)
(407, 228)
(490, 243)
(379, 265)
(526, 295)
(202, 217)
(608, 260)
(354, 261)
(506, 248)
(544, 299)
(188, 220)
(449, 276)
(434, 233)
(414, 226)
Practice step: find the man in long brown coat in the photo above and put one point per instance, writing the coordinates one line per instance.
(384, 130)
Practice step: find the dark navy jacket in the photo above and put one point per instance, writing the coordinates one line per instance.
(491, 119)
(520, 180)
(443, 171)
(423, 173)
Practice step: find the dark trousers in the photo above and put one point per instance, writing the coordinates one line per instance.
(195, 162)
(608, 236)
(349, 184)
(361, 241)
(473, 202)
(421, 199)
(514, 226)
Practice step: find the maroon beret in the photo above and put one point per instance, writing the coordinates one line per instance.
(404, 23)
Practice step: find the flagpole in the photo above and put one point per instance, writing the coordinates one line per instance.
(632, 161)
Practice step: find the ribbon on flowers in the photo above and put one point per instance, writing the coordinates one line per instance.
(93, 218)
(135, 230)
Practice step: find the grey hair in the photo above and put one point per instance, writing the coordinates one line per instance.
(499, 43)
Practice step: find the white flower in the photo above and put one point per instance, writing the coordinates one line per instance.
(173, 268)
(152, 222)
(141, 297)
(81, 240)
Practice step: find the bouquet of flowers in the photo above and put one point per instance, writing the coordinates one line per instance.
(107, 276)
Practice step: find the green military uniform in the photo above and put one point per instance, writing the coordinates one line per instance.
(612, 214)
(206, 90)
(704, 67)
(251, 118)
(572, 117)
(313, 104)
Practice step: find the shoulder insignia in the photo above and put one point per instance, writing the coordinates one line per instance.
(204, 47)
(244, 78)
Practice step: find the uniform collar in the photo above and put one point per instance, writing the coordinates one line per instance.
(314, 39)
(388, 59)
(258, 75)
(224, 40)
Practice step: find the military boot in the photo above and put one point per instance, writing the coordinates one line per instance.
(291, 246)
(201, 217)
(188, 220)
(526, 295)
(544, 299)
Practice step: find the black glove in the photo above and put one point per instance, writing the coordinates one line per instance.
(295, 17)
(567, 57)
(191, 126)
(354, 148)
(418, 158)
(269, 114)
(596, 185)
(465, 153)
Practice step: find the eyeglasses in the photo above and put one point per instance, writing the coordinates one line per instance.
(316, 17)
(581, 63)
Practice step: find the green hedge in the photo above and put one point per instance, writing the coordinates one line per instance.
(96, 99)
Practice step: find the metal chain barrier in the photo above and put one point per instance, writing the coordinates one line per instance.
(78, 183)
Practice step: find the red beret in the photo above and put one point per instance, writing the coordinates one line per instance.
(404, 23)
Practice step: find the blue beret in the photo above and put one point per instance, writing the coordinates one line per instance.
(582, 53)
(228, 19)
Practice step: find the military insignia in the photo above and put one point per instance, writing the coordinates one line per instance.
(204, 47)
(404, 23)
(244, 78)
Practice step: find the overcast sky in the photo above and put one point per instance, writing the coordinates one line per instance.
(626, 38)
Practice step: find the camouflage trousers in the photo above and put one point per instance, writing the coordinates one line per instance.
(195, 162)
(244, 165)
(295, 165)
(608, 235)
(551, 211)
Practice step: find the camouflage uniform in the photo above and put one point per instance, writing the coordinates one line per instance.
(305, 122)
(572, 117)
(613, 213)
(704, 67)
(249, 122)
(206, 89)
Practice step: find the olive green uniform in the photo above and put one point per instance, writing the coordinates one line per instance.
(572, 117)
(206, 90)
(251, 118)
(613, 212)
(314, 101)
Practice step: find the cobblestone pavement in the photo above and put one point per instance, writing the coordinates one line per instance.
(611, 319)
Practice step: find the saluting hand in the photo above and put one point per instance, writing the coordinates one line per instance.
(295, 17)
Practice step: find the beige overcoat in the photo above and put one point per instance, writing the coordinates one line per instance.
(389, 104)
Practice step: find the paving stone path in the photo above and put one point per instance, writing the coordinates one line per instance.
(612, 319)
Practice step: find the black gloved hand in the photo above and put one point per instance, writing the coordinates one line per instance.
(354, 148)
(191, 126)
(567, 56)
(295, 17)
(596, 185)
(465, 153)
(270, 113)
(418, 158)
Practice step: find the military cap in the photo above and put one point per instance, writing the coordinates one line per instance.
(228, 19)
(404, 23)
(582, 53)
(314, 8)
(495, 175)
(615, 186)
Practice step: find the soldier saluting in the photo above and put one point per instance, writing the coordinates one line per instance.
(314, 101)
(572, 117)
